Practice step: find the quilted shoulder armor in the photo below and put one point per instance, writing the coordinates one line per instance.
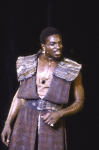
(67, 69)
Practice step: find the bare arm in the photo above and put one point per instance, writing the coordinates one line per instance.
(16, 103)
(53, 117)
(78, 98)
(15, 106)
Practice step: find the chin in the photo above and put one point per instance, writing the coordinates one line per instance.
(57, 57)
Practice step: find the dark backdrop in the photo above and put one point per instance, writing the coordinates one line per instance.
(21, 23)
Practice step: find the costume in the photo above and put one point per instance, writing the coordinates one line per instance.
(29, 124)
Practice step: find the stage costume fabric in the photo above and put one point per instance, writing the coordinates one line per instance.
(30, 131)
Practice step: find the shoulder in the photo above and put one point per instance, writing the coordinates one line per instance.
(24, 66)
(67, 69)
(71, 63)
(24, 59)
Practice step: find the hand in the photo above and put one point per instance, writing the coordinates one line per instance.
(5, 135)
(51, 117)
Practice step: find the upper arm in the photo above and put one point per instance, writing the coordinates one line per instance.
(78, 80)
(78, 89)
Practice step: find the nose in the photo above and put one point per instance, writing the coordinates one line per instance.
(58, 46)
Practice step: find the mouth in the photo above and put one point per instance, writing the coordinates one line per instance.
(58, 52)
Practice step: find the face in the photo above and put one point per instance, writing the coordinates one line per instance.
(53, 46)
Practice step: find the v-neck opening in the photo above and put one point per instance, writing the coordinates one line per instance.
(50, 82)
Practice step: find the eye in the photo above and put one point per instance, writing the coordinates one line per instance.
(52, 44)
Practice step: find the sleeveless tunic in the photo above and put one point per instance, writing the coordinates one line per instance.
(29, 126)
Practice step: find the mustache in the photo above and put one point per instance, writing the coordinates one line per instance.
(57, 50)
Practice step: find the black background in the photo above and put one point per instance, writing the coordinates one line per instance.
(21, 23)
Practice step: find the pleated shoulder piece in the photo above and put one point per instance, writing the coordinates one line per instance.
(67, 69)
(26, 66)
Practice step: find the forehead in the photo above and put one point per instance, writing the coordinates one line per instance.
(54, 38)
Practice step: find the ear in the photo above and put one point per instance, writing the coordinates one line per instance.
(43, 46)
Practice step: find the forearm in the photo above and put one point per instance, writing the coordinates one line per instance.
(76, 106)
(72, 109)
(15, 106)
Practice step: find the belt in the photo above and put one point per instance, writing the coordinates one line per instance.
(42, 105)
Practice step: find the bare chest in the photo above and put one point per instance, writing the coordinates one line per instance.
(45, 68)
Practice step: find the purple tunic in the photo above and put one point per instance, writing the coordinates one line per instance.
(26, 132)
(26, 125)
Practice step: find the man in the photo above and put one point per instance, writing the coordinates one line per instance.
(40, 102)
